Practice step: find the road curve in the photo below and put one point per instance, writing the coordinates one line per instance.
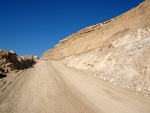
(50, 87)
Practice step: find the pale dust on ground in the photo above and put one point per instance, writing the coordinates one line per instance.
(50, 87)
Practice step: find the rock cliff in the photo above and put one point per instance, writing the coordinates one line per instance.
(117, 50)
(10, 61)
(124, 62)
(102, 34)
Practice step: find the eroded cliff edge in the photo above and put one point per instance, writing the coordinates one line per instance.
(10, 61)
(101, 34)
(117, 50)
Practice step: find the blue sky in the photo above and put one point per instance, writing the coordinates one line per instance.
(30, 27)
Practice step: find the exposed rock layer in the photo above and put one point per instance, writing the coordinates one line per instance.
(125, 62)
(11, 61)
(117, 50)
(102, 34)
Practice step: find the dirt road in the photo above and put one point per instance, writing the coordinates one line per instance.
(50, 87)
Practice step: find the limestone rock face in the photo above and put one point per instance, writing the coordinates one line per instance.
(102, 34)
(117, 50)
(11, 61)
(125, 63)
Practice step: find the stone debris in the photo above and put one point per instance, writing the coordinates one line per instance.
(126, 65)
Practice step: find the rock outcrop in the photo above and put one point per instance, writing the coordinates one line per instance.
(101, 34)
(10, 61)
(117, 50)
(124, 62)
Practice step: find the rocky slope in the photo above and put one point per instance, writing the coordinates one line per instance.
(125, 62)
(117, 50)
(10, 61)
(101, 34)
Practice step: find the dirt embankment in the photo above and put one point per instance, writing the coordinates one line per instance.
(124, 62)
(117, 50)
(101, 34)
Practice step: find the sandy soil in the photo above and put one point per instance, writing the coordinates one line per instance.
(50, 87)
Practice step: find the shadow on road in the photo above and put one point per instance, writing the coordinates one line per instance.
(2, 76)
